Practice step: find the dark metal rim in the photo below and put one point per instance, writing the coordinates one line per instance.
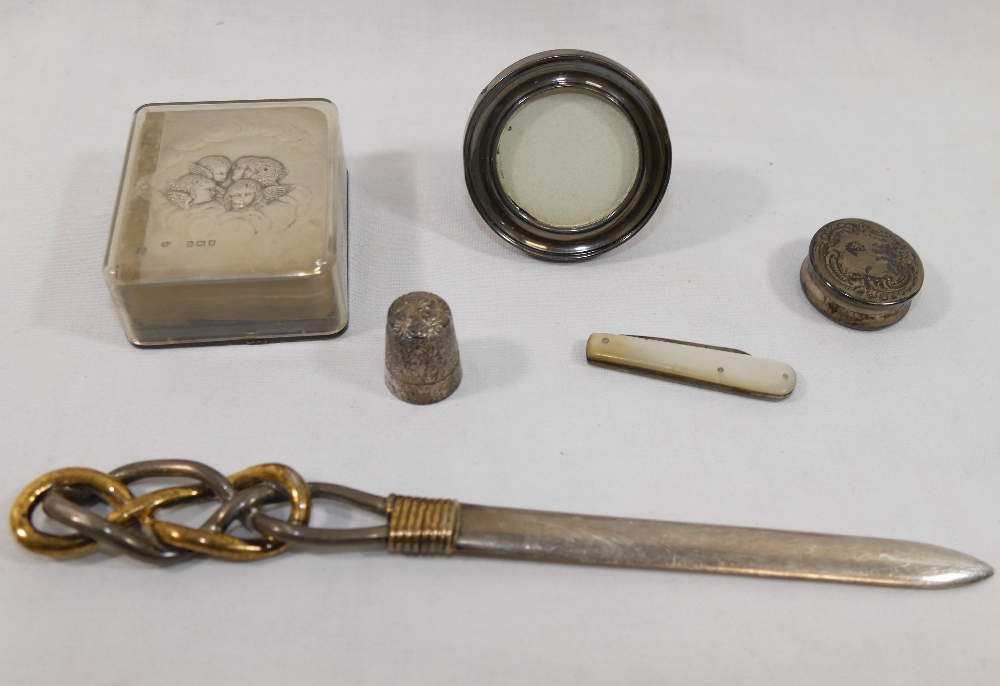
(533, 76)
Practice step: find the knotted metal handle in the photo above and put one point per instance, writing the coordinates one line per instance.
(416, 526)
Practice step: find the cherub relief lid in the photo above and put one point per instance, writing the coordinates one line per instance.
(866, 262)
(247, 182)
(231, 222)
(226, 189)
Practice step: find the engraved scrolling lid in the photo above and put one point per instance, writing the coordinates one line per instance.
(866, 261)
(861, 274)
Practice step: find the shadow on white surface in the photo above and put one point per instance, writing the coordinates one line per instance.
(384, 245)
(929, 307)
(451, 211)
(490, 363)
(357, 360)
(783, 273)
(75, 298)
(703, 204)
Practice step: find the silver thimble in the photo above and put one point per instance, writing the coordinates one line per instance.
(421, 351)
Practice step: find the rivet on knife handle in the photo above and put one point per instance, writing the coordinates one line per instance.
(694, 363)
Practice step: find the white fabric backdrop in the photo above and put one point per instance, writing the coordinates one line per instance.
(783, 116)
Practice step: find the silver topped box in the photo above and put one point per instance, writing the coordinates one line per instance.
(860, 274)
(231, 223)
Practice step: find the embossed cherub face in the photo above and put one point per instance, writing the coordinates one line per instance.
(243, 194)
(191, 189)
(203, 193)
(865, 255)
(264, 170)
(215, 167)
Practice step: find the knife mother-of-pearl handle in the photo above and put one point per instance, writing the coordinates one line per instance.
(721, 368)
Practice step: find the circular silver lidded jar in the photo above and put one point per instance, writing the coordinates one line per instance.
(860, 274)
(421, 351)
(566, 154)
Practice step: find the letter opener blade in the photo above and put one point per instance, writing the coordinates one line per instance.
(648, 544)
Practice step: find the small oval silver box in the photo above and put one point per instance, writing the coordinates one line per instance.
(860, 274)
